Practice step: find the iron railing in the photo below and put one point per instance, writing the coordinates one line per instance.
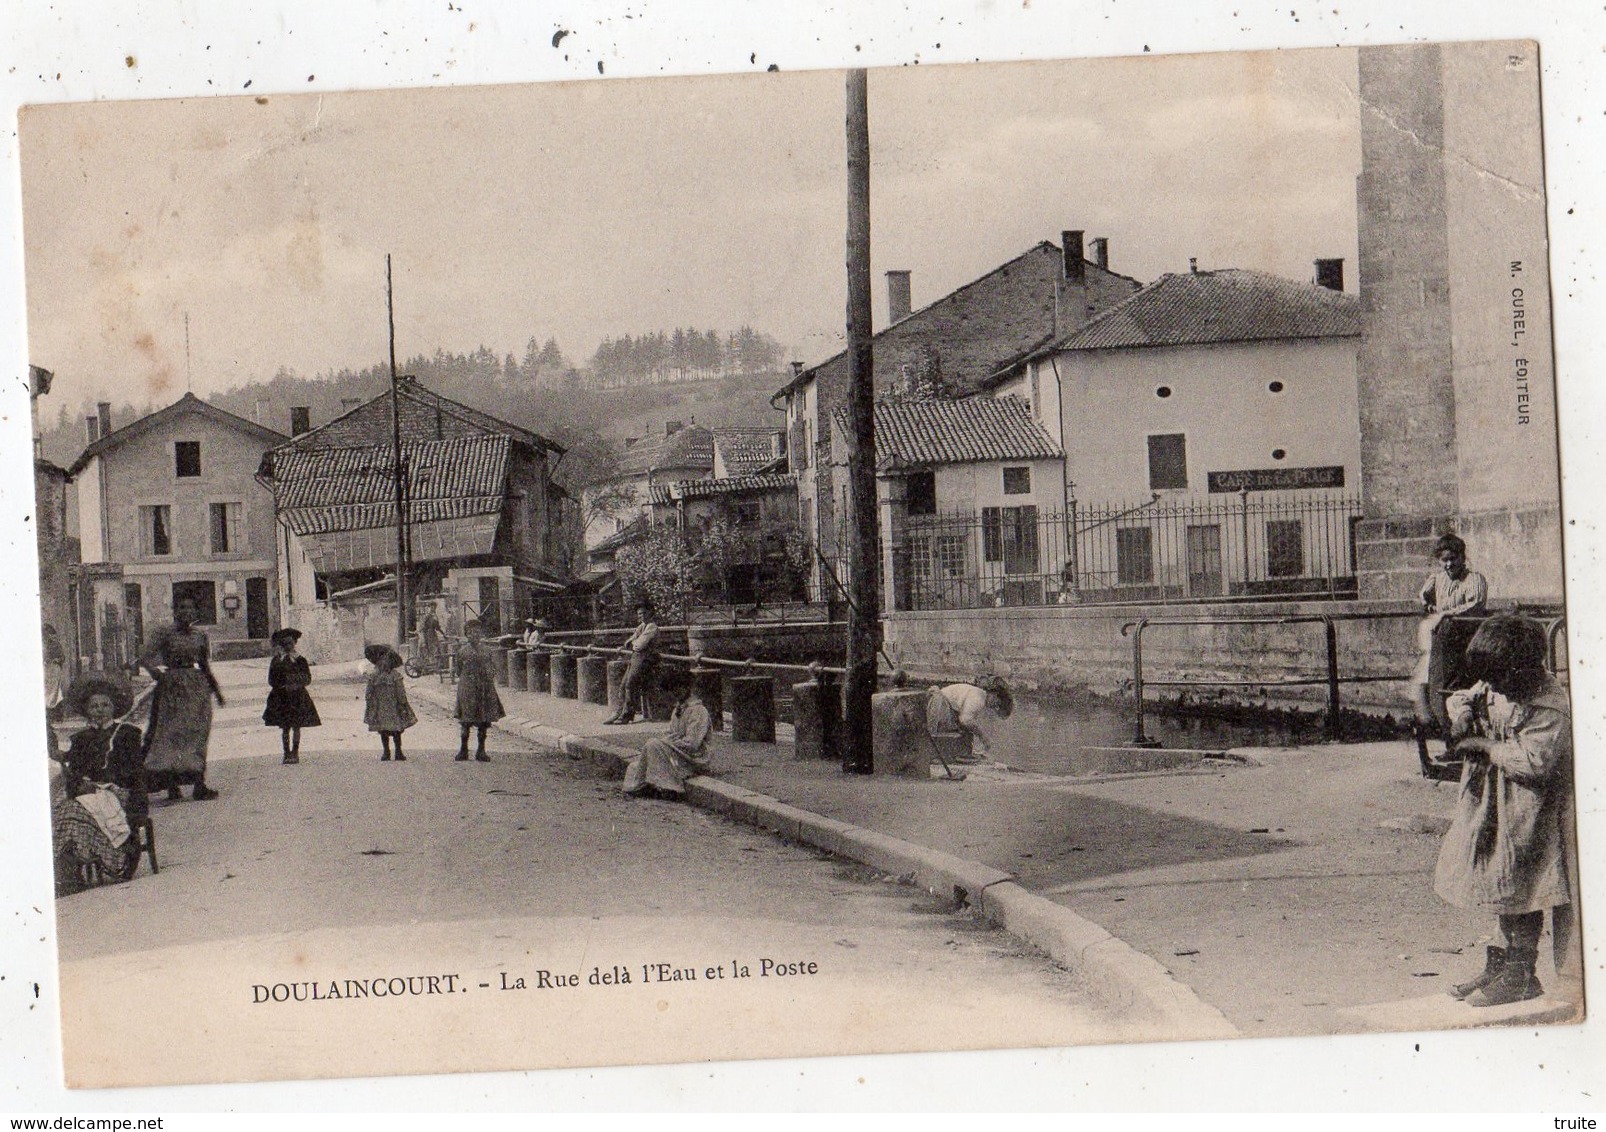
(1222, 548)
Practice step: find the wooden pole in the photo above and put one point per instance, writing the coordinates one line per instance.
(864, 605)
(399, 474)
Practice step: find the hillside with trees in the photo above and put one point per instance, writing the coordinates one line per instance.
(543, 391)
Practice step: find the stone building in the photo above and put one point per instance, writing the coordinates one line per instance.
(949, 348)
(484, 517)
(169, 508)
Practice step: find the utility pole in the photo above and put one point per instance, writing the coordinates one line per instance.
(864, 602)
(399, 471)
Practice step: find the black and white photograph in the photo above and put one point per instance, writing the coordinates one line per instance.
(1044, 553)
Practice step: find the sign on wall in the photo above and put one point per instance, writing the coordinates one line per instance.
(1276, 479)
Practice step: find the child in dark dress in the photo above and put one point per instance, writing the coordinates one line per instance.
(388, 710)
(290, 706)
(478, 705)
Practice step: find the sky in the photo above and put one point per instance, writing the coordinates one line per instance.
(580, 210)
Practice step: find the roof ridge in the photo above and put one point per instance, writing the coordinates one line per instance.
(188, 403)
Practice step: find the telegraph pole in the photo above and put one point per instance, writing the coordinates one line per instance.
(396, 463)
(864, 601)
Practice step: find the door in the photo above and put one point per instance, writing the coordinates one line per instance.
(256, 608)
(1204, 560)
(491, 606)
(134, 618)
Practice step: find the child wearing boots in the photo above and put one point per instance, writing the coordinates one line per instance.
(290, 706)
(388, 711)
(478, 705)
(1509, 847)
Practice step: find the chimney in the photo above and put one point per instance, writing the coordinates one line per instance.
(300, 419)
(262, 412)
(898, 302)
(1101, 252)
(349, 403)
(91, 428)
(1330, 274)
(797, 370)
(1193, 265)
(1071, 248)
(103, 409)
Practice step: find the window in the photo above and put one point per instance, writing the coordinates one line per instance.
(155, 531)
(1168, 461)
(1285, 548)
(1134, 556)
(187, 458)
(227, 534)
(1009, 535)
(920, 492)
(745, 511)
(1017, 481)
(201, 595)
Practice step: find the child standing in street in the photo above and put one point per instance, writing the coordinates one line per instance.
(388, 711)
(1509, 850)
(478, 705)
(290, 706)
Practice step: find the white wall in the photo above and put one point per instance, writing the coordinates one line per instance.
(91, 537)
(1220, 400)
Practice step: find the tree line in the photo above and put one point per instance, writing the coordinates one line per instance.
(684, 354)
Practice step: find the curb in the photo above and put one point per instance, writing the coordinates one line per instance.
(1119, 974)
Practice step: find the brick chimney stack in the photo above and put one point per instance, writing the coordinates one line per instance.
(300, 419)
(898, 296)
(91, 428)
(1101, 251)
(1071, 254)
(103, 409)
(1330, 274)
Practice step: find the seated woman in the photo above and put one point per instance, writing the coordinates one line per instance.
(666, 762)
(103, 791)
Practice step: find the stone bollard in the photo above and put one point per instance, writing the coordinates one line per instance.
(898, 729)
(616, 684)
(499, 666)
(538, 671)
(517, 665)
(592, 680)
(816, 718)
(657, 704)
(710, 685)
(752, 701)
(564, 675)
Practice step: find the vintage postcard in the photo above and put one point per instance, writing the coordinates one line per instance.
(448, 534)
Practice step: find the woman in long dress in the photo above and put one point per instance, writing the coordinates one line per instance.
(181, 711)
(290, 706)
(478, 705)
(667, 761)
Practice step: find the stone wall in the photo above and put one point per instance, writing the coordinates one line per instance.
(1071, 648)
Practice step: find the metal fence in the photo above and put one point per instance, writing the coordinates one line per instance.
(1232, 547)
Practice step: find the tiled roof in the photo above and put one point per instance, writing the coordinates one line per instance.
(1232, 305)
(631, 532)
(185, 406)
(689, 447)
(335, 489)
(727, 485)
(742, 451)
(422, 413)
(921, 433)
(976, 330)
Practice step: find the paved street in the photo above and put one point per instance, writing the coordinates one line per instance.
(344, 868)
